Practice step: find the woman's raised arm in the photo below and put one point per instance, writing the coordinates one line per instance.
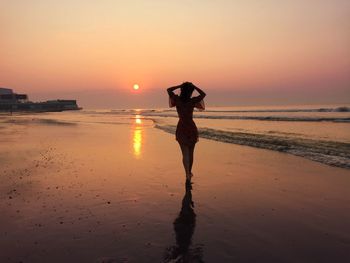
(201, 92)
(171, 90)
(201, 95)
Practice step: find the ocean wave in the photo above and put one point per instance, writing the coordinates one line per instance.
(122, 111)
(215, 114)
(218, 110)
(337, 109)
(342, 109)
(326, 152)
(259, 118)
(267, 110)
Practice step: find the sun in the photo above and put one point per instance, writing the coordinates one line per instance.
(136, 86)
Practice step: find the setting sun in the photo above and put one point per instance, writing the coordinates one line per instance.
(136, 86)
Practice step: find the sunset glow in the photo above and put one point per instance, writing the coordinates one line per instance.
(174, 131)
(243, 51)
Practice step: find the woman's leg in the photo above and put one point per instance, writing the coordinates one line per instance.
(186, 158)
(191, 152)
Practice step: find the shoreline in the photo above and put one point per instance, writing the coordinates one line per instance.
(335, 154)
(332, 153)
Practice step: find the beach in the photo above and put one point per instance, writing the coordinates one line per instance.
(107, 188)
(104, 106)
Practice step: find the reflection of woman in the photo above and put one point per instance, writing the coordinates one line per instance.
(184, 226)
(186, 131)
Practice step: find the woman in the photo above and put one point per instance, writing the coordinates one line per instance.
(186, 131)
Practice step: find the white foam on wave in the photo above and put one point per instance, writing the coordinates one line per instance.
(336, 109)
(327, 152)
(260, 118)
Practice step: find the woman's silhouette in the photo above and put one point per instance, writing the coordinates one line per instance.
(186, 131)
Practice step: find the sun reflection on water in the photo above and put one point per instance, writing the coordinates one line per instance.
(138, 121)
(137, 137)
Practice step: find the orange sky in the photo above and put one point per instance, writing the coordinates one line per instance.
(288, 49)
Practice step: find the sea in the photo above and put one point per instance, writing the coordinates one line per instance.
(317, 132)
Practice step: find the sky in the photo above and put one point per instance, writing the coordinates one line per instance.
(241, 52)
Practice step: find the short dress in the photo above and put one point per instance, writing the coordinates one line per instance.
(186, 130)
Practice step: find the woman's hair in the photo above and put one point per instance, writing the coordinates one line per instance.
(187, 89)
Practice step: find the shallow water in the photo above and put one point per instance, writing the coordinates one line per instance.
(320, 133)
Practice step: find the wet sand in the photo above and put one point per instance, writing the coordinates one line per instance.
(99, 192)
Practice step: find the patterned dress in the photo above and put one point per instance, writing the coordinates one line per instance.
(186, 130)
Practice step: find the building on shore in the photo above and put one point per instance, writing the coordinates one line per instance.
(10, 101)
